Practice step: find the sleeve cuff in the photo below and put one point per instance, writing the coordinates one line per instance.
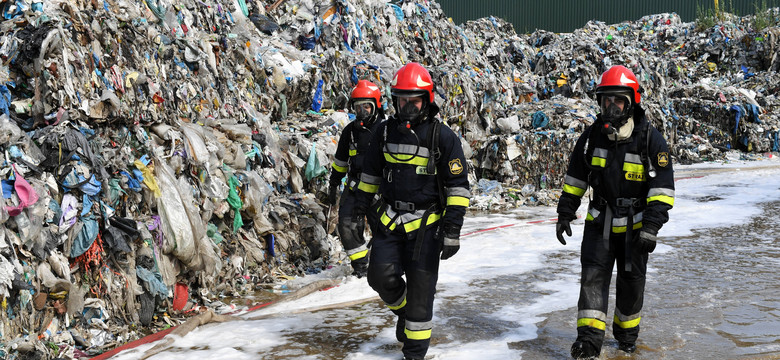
(651, 228)
(569, 217)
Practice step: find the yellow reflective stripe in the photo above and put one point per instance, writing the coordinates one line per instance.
(373, 189)
(622, 229)
(414, 225)
(406, 159)
(630, 167)
(662, 198)
(386, 221)
(600, 162)
(417, 334)
(341, 169)
(359, 255)
(594, 323)
(457, 201)
(578, 192)
(352, 152)
(403, 303)
(589, 217)
(627, 324)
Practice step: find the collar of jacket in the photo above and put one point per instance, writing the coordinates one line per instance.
(639, 120)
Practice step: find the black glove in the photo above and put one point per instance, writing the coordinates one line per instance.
(450, 239)
(645, 241)
(360, 267)
(332, 194)
(561, 226)
(358, 217)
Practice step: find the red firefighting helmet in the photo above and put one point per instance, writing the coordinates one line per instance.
(410, 80)
(619, 80)
(365, 90)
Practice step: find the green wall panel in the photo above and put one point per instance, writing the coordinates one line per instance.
(568, 15)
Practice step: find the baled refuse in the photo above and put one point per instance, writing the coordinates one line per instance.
(159, 157)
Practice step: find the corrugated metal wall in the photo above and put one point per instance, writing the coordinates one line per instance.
(568, 15)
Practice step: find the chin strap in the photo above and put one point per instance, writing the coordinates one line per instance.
(622, 133)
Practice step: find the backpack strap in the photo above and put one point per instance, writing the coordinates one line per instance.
(644, 139)
(433, 160)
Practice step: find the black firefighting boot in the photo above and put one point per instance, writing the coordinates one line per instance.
(400, 325)
(584, 350)
(627, 347)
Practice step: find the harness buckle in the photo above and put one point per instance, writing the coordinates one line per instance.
(404, 206)
(627, 202)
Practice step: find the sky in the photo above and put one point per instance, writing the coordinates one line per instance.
(526, 238)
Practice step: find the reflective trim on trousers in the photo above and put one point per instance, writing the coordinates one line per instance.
(418, 330)
(627, 322)
(594, 323)
(399, 304)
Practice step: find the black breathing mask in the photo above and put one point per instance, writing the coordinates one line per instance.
(612, 115)
(363, 114)
(410, 115)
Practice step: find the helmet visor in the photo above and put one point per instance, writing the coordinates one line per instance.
(363, 109)
(615, 107)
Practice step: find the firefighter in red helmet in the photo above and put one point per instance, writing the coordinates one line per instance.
(366, 103)
(626, 162)
(417, 165)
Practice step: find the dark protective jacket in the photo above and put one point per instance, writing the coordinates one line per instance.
(620, 178)
(396, 167)
(351, 150)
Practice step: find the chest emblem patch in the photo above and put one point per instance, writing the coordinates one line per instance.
(663, 159)
(455, 167)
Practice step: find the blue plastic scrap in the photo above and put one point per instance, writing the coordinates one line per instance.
(5, 99)
(540, 120)
(153, 281)
(316, 103)
(85, 237)
(399, 14)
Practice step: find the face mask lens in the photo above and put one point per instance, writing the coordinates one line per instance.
(363, 109)
(614, 107)
(410, 110)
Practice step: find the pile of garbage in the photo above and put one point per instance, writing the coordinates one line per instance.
(162, 156)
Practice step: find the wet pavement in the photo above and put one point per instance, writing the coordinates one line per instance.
(711, 294)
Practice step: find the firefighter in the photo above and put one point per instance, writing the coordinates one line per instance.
(365, 102)
(417, 165)
(626, 162)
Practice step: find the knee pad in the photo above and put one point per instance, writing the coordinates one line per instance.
(349, 237)
(594, 276)
(384, 279)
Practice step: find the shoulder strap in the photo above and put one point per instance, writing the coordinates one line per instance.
(644, 149)
(352, 140)
(433, 160)
(588, 148)
(433, 145)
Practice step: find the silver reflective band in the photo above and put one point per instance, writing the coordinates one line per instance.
(408, 149)
(570, 180)
(592, 314)
(459, 191)
(419, 325)
(370, 179)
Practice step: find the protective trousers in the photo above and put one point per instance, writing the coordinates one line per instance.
(353, 240)
(597, 263)
(391, 257)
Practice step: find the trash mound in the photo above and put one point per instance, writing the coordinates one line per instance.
(161, 156)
